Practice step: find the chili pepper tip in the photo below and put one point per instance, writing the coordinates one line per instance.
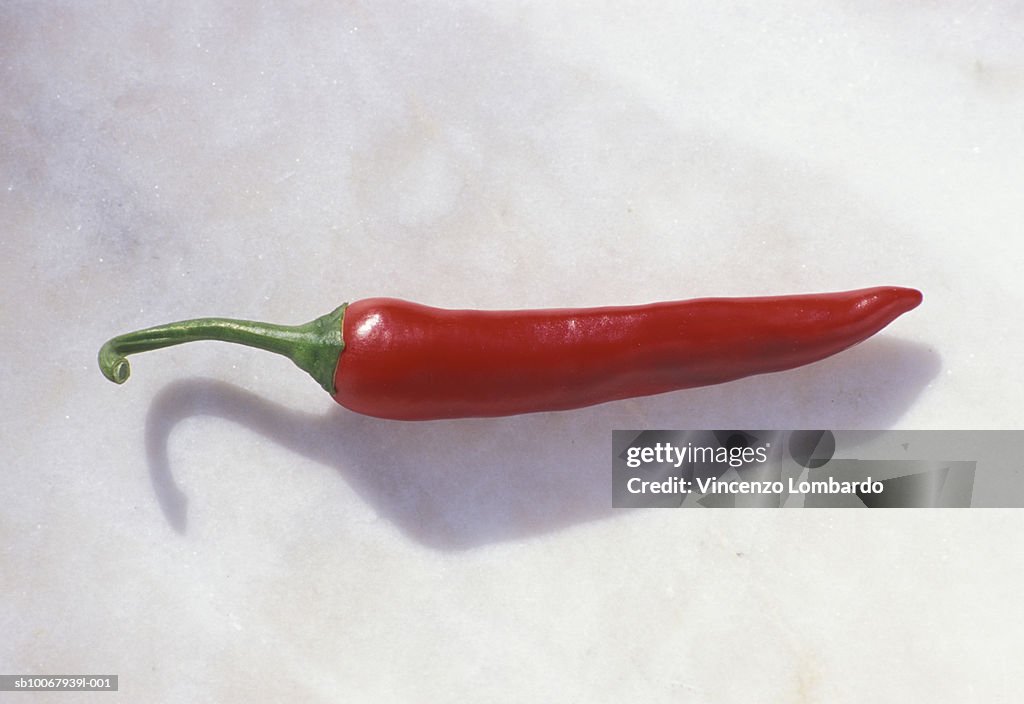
(910, 297)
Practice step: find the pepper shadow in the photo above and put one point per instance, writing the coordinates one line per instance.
(453, 485)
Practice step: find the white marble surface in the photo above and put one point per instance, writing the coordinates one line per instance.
(217, 530)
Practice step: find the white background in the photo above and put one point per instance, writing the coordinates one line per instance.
(218, 530)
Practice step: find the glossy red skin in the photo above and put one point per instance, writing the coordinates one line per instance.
(408, 361)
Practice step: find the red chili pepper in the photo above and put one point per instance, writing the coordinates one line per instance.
(394, 359)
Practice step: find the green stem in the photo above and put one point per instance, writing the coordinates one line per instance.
(314, 347)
